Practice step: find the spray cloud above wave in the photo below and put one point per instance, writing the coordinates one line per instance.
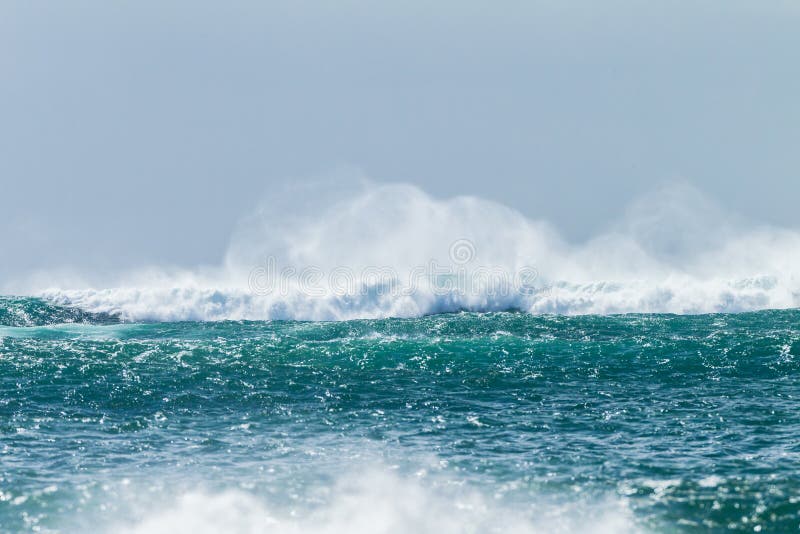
(363, 250)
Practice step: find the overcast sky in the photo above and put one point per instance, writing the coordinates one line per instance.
(139, 132)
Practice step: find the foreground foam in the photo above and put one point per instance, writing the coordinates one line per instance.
(379, 503)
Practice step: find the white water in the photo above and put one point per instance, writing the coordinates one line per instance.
(673, 251)
(376, 503)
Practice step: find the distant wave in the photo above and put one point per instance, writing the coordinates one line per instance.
(27, 312)
(198, 304)
(403, 253)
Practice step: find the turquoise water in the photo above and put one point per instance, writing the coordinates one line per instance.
(448, 423)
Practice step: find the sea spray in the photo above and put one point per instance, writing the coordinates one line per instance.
(394, 251)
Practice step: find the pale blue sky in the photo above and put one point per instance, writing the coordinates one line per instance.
(139, 132)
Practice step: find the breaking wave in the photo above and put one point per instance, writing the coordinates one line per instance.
(370, 251)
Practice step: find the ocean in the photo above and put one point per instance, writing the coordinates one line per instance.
(452, 422)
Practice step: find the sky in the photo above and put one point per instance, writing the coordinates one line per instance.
(136, 133)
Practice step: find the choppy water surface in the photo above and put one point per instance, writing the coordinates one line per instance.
(450, 423)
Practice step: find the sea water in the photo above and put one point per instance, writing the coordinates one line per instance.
(462, 422)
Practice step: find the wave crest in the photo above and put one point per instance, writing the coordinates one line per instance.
(672, 252)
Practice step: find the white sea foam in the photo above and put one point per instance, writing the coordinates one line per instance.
(379, 503)
(672, 251)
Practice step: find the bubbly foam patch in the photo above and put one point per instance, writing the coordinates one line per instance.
(379, 503)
